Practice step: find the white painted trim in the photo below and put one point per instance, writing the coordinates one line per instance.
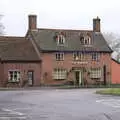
(80, 77)
(115, 103)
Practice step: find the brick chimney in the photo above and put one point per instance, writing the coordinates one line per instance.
(32, 21)
(96, 24)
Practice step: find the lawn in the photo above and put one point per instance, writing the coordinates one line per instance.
(109, 91)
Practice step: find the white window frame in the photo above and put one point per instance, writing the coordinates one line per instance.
(59, 56)
(89, 40)
(15, 78)
(78, 56)
(61, 40)
(86, 40)
(59, 74)
(95, 56)
(82, 40)
(95, 73)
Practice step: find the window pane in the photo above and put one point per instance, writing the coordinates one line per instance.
(11, 75)
(61, 39)
(59, 74)
(14, 76)
(59, 56)
(95, 73)
(95, 56)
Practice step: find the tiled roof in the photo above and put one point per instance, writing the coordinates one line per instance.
(17, 49)
(44, 38)
(118, 62)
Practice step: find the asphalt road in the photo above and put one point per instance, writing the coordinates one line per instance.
(58, 104)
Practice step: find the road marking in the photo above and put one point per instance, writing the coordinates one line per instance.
(7, 114)
(13, 112)
(110, 102)
(21, 109)
(100, 100)
(9, 118)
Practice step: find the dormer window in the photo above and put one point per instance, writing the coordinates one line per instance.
(82, 40)
(61, 40)
(85, 39)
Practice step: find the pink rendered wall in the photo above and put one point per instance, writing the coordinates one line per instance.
(115, 72)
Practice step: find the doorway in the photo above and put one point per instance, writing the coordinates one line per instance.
(78, 77)
(30, 78)
(104, 72)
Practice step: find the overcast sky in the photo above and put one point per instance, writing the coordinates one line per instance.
(66, 14)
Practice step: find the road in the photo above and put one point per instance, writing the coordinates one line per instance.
(58, 104)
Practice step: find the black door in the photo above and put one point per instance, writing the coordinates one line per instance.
(77, 77)
(104, 72)
(30, 78)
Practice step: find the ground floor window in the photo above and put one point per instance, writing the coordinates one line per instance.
(95, 73)
(59, 73)
(14, 75)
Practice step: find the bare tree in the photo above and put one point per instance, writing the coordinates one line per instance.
(110, 37)
(113, 40)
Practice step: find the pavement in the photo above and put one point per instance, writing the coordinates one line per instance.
(58, 104)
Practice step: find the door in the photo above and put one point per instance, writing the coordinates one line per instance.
(78, 77)
(30, 78)
(104, 72)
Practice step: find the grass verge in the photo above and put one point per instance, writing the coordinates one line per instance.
(109, 91)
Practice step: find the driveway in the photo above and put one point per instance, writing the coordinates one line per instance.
(58, 104)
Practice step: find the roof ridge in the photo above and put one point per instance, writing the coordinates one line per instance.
(115, 60)
(77, 30)
(11, 37)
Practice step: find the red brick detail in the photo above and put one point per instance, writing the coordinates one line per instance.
(49, 63)
(24, 68)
